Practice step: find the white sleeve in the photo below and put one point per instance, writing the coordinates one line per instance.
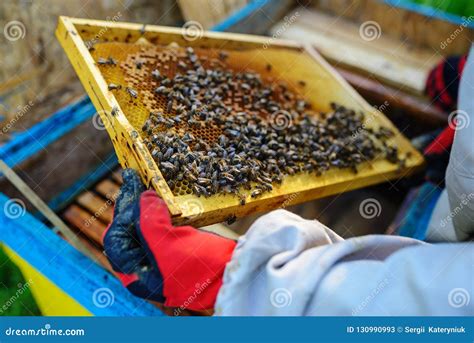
(286, 265)
(440, 227)
(460, 172)
(453, 216)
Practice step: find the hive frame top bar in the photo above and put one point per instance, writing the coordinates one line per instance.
(172, 34)
(132, 153)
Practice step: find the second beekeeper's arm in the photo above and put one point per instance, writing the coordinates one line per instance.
(286, 265)
(453, 216)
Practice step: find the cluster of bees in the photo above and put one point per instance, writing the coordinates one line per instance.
(265, 131)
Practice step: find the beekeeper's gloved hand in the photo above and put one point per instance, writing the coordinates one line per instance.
(442, 84)
(178, 266)
(442, 87)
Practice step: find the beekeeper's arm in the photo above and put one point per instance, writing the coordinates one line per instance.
(286, 265)
(453, 216)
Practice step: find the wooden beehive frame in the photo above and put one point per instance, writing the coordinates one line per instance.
(72, 34)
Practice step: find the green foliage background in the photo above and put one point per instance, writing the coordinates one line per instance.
(459, 7)
(10, 279)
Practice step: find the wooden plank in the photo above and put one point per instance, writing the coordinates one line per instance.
(131, 32)
(101, 208)
(375, 91)
(41, 206)
(117, 176)
(218, 10)
(16, 80)
(395, 63)
(97, 255)
(208, 12)
(108, 189)
(197, 11)
(407, 21)
(85, 222)
(256, 18)
(233, 5)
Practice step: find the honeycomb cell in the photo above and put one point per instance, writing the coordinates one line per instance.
(129, 73)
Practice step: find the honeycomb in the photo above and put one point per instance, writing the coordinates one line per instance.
(125, 74)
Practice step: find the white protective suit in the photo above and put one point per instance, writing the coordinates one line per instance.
(286, 265)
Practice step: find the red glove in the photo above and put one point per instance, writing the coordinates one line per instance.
(178, 266)
(437, 155)
(442, 85)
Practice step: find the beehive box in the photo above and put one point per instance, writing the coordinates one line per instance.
(123, 115)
